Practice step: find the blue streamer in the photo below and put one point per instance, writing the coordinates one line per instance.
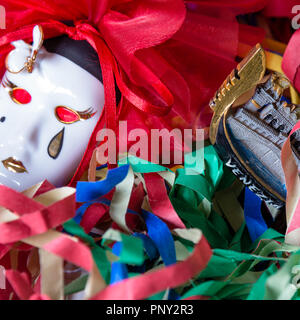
(161, 236)
(252, 211)
(119, 270)
(87, 191)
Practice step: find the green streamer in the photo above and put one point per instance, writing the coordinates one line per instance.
(98, 253)
(132, 250)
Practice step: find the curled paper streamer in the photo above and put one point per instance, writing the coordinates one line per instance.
(156, 261)
(161, 236)
(159, 200)
(293, 191)
(143, 286)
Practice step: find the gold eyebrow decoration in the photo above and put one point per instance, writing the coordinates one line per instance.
(10, 87)
(86, 114)
(8, 84)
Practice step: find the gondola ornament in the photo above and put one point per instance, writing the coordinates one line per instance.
(252, 120)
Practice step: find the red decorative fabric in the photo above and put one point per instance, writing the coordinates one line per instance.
(279, 8)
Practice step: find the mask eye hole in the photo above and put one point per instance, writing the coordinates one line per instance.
(67, 115)
(20, 96)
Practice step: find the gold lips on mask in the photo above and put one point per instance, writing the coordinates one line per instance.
(14, 165)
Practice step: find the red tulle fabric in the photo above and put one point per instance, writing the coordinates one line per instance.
(279, 8)
(168, 56)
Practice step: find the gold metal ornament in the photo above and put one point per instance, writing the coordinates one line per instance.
(280, 83)
(239, 88)
(38, 39)
(249, 72)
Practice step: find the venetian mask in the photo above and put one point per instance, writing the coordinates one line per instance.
(49, 106)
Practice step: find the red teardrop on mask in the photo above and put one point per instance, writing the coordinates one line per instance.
(66, 115)
(21, 96)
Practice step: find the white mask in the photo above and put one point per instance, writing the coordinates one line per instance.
(29, 122)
